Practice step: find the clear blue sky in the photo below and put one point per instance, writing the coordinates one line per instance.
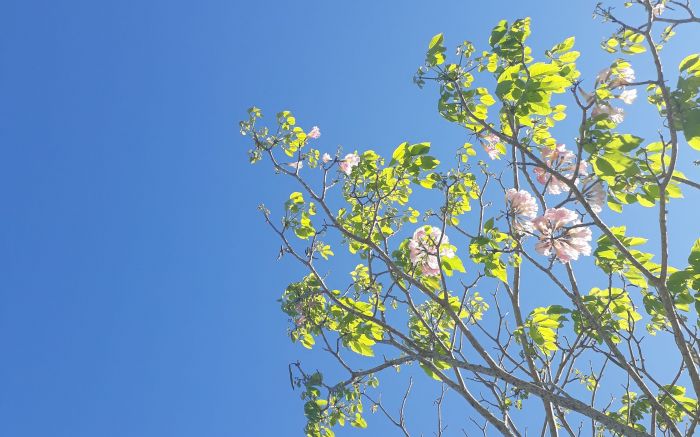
(138, 284)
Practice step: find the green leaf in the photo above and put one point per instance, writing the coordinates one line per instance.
(452, 264)
(326, 251)
(419, 149)
(497, 270)
(359, 421)
(487, 99)
(624, 143)
(307, 341)
(498, 33)
(429, 180)
(436, 51)
(690, 63)
(603, 167)
(399, 154)
(540, 108)
(694, 258)
(542, 69)
(635, 49)
(564, 46)
(570, 57)
(296, 197)
(427, 162)
(556, 84)
(542, 325)
(614, 205)
(360, 347)
(691, 127)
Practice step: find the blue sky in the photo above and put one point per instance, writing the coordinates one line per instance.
(138, 284)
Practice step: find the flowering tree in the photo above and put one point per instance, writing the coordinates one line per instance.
(447, 288)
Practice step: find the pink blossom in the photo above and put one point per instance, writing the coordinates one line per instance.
(621, 77)
(625, 76)
(423, 249)
(583, 168)
(616, 115)
(489, 142)
(594, 192)
(521, 203)
(658, 9)
(326, 158)
(296, 165)
(559, 153)
(315, 133)
(522, 207)
(554, 219)
(554, 184)
(350, 161)
(563, 161)
(561, 232)
(628, 96)
(491, 151)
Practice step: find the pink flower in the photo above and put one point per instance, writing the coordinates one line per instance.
(554, 184)
(628, 96)
(326, 158)
(616, 115)
(296, 165)
(521, 203)
(559, 153)
(350, 161)
(554, 219)
(423, 249)
(488, 142)
(625, 76)
(658, 9)
(315, 133)
(491, 151)
(563, 161)
(583, 168)
(561, 232)
(594, 193)
(522, 207)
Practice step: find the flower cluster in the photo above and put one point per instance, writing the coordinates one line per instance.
(346, 164)
(423, 249)
(489, 142)
(315, 133)
(628, 96)
(564, 162)
(658, 9)
(561, 232)
(522, 208)
(350, 161)
(619, 78)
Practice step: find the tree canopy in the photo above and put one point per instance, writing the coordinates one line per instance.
(445, 286)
